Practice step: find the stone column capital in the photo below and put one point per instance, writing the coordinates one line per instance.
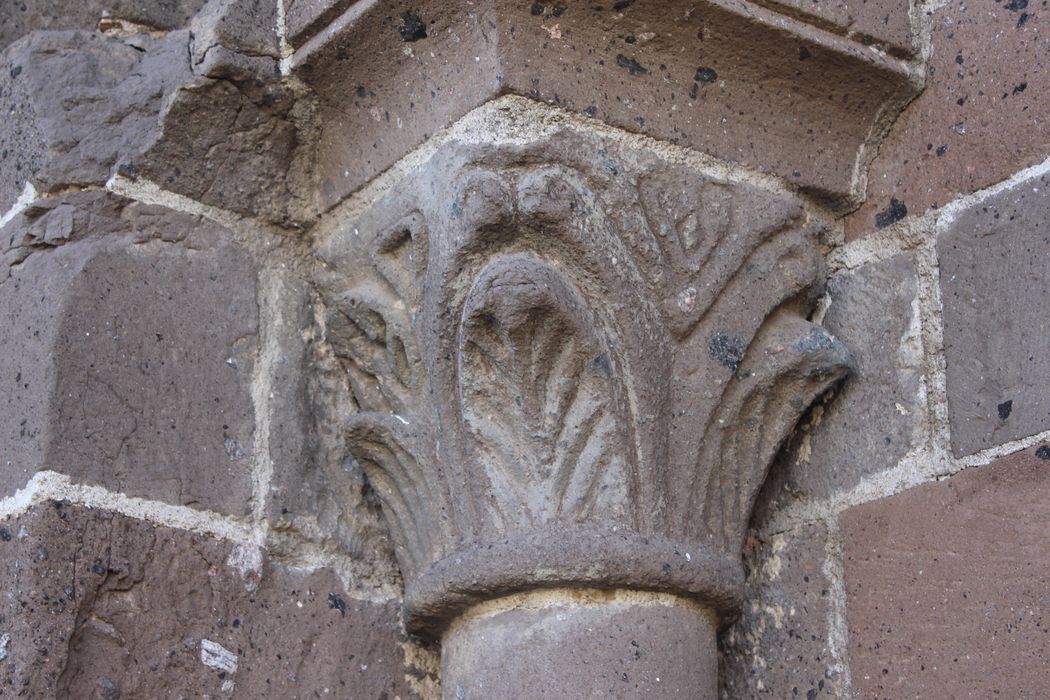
(574, 354)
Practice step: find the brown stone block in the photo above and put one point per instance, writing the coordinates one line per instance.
(229, 144)
(732, 79)
(877, 415)
(979, 119)
(84, 102)
(95, 604)
(388, 76)
(779, 646)
(997, 317)
(131, 365)
(884, 24)
(947, 585)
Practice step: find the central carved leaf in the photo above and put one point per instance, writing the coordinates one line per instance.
(536, 383)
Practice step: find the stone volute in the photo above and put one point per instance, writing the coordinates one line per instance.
(574, 353)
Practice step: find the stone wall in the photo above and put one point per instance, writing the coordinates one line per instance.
(180, 513)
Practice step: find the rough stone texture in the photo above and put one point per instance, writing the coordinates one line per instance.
(97, 605)
(132, 361)
(395, 73)
(86, 105)
(317, 490)
(948, 583)
(997, 317)
(83, 103)
(885, 25)
(393, 93)
(603, 648)
(877, 416)
(625, 347)
(19, 17)
(235, 39)
(306, 17)
(981, 117)
(779, 647)
(228, 144)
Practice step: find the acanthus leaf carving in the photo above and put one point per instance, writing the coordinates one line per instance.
(558, 385)
(536, 392)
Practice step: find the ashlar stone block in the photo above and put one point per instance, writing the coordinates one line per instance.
(131, 364)
(997, 316)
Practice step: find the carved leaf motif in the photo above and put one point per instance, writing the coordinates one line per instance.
(790, 363)
(399, 255)
(389, 454)
(369, 331)
(537, 391)
(699, 239)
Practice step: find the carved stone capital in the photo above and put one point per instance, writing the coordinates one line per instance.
(574, 355)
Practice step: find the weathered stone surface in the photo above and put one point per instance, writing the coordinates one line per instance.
(539, 288)
(583, 644)
(947, 586)
(99, 605)
(30, 305)
(229, 144)
(780, 646)
(884, 24)
(317, 491)
(997, 317)
(132, 364)
(390, 92)
(85, 102)
(740, 82)
(877, 415)
(86, 105)
(979, 119)
(19, 17)
(235, 39)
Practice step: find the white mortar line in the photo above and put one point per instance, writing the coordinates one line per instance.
(148, 192)
(49, 485)
(837, 622)
(29, 194)
(905, 236)
(310, 556)
(921, 466)
(935, 382)
(291, 552)
(284, 63)
(980, 459)
(950, 211)
(270, 322)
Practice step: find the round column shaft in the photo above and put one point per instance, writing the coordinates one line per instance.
(573, 643)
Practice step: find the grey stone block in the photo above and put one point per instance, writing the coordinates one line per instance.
(997, 317)
(317, 489)
(132, 363)
(877, 415)
(84, 102)
(227, 144)
(19, 18)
